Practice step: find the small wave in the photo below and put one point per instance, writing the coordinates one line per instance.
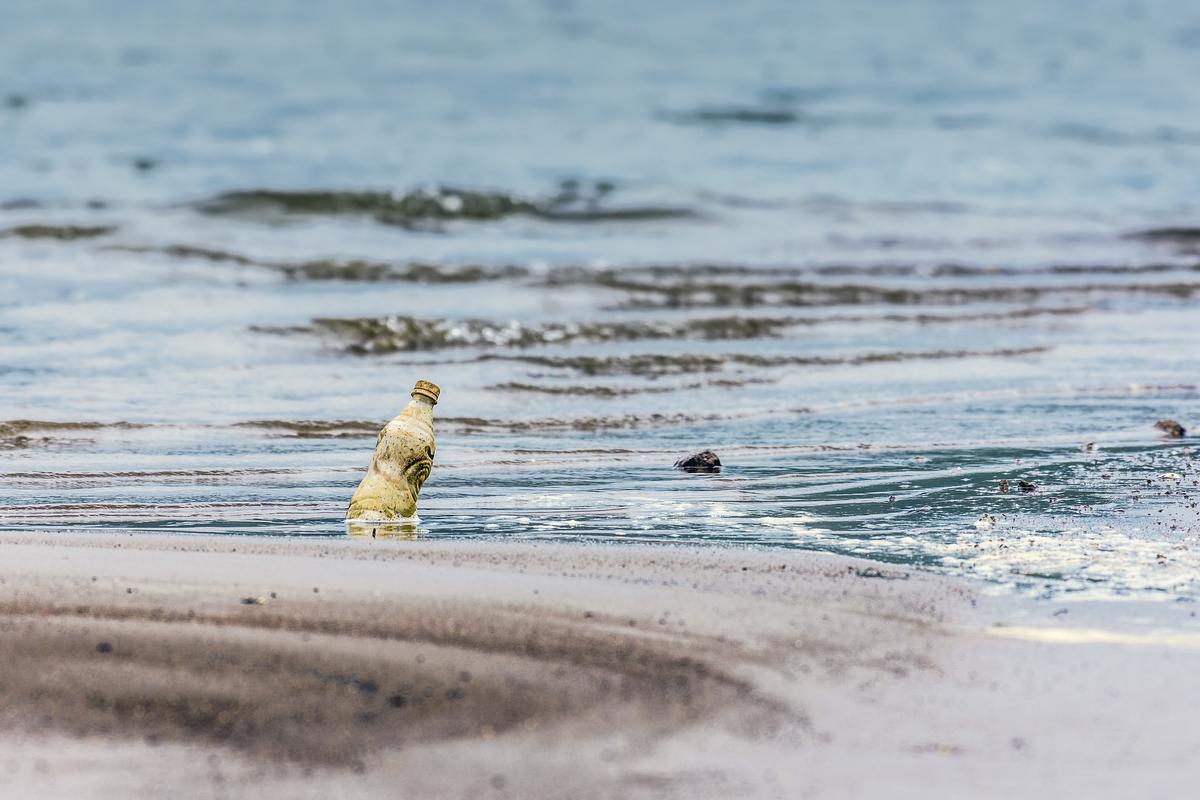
(654, 365)
(63, 233)
(332, 269)
(1184, 240)
(190, 251)
(741, 115)
(605, 392)
(424, 207)
(15, 433)
(602, 392)
(794, 294)
(19, 204)
(629, 277)
(165, 474)
(381, 335)
(633, 278)
(626, 421)
(395, 334)
(316, 429)
(441, 203)
(319, 429)
(25, 425)
(772, 116)
(1099, 135)
(835, 205)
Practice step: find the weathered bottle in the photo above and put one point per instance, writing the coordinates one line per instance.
(402, 461)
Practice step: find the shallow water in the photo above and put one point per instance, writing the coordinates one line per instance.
(878, 269)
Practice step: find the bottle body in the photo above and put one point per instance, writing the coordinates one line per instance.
(402, 462)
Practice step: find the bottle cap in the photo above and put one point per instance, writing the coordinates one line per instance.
(427, 389)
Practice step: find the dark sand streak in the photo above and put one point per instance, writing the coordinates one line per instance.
(297, 689)
(439, 669)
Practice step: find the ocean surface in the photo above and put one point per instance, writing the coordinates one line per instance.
(879, 256)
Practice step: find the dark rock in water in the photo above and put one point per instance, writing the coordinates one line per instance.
(1171, 428)
(704, 461)
(1027, 486)
(1004, 486)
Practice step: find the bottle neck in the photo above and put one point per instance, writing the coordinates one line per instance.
(420, 408)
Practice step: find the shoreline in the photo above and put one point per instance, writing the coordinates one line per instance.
(224, 667)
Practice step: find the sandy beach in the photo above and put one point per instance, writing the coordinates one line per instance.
(795, 400)
(151, 666)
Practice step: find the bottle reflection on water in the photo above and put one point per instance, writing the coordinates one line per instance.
(402, 529)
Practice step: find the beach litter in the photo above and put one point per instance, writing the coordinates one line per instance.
(402, 462)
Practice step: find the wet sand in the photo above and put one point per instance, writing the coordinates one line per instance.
(139, 666)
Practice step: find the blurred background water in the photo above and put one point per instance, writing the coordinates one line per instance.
(879, 256)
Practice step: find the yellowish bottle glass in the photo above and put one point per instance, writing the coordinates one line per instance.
(402, 461)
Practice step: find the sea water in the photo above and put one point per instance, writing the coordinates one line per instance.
(878, 256)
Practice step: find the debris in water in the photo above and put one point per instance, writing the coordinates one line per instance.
(403, 460)
(704, 461)
(1171, 428)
